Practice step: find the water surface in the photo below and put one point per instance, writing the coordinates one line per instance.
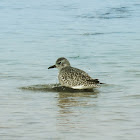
(99, 37)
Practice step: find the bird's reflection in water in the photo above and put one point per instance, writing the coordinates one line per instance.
(67, 97)
(71, 103)
(66, 100)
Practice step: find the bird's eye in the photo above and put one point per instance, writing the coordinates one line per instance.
(59, 63)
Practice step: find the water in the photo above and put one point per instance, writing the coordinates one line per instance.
(99, 37)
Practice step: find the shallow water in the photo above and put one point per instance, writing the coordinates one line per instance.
(99, 37)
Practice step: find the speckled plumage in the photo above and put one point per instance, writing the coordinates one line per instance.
(72, 77)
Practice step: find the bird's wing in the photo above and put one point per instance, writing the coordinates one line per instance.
(74, 75)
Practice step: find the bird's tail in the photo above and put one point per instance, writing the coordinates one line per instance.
(96, 81)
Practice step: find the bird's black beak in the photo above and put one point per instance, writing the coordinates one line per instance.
(54, 66)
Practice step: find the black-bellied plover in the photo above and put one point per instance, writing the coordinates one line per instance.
(72, 77)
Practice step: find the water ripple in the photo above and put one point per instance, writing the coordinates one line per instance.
(110, 13)
(54, 88)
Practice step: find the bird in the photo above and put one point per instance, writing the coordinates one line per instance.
(72, 77)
